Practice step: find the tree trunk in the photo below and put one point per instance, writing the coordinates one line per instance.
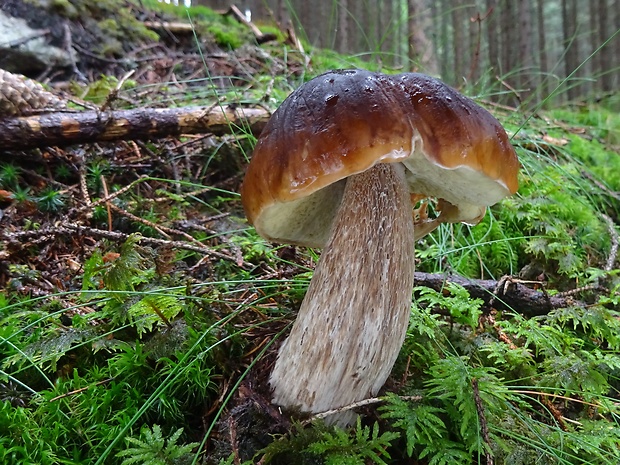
(342, 37)
(447, 72)
(571, 44)
(458, 44)
(493, 40)
(525, 49)
(543, 86)
(605, 56)
(421, 51)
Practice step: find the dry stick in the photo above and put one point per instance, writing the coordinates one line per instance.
(77, 391)
(510, 88)
(186, 194)
(359, 403)
(236, 12)
(84, 186)
(557, 415)
(175, 27)
(131, 216)
(42, 235)
(601, 186)
(163, 230)
(234, 444)
(61, 128)
(107, 198)
(558, 396)
(68, 46)
(107, 204)
(613, 253)
(483, 421)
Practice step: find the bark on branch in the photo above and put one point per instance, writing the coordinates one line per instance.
(62, 128)
(505, 294)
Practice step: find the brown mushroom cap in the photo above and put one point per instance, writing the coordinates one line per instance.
(344, 122)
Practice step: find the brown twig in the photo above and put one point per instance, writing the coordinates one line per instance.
(104, 185)
(48, 234)
(360, 403)
(77, 391)
(510, 88)
(558, 396)
(613, 252)
(580, 289)
(482, 420)
(239, 16)
(234, 444)
(600, 185)
(557, 415)
(106, 198)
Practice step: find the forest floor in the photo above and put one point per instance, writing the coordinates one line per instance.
(140, 314)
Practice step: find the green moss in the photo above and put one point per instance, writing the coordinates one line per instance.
(65, 8)
(228, 35)
(100, 89)
(598, 121)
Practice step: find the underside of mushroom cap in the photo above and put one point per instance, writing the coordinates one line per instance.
(344, 122)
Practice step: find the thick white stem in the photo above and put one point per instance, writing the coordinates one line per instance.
(353, 320)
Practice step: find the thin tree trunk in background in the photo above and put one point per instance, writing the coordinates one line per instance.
(525, 48)
(447, 71)
(381, 21)
(403, 31)
(366, 28)
(439, 36)
(543, 86)
(342, 37)
(615, 46)
(458, 44)
(386, 30)
(509, 52)
(356, 33)
(472, 18)
(605, 56)
(421, 52)
(589, 44)
(571, 59)
(493, 40)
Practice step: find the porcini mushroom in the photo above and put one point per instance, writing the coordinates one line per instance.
(337, 166)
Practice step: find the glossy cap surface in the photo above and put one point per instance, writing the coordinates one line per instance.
(344, 122)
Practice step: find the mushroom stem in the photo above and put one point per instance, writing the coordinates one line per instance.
(353, 319)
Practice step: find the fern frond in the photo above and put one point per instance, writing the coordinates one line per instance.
(155, 449)
(339, 447)
(420, 424)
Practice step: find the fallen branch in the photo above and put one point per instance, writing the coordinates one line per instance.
(258, 34)
(512, 295)
(62, 128)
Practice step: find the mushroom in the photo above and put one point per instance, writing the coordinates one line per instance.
(340, 165)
